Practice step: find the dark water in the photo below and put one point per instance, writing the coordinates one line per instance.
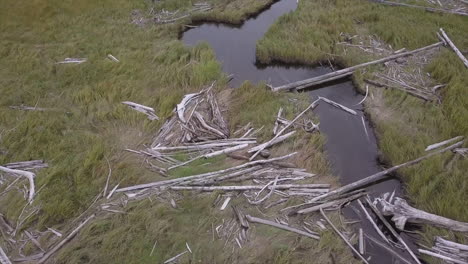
(353, 154)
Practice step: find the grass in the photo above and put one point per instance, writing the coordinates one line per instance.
(404, 125)
(87, 127)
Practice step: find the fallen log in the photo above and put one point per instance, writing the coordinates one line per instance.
(204, 175)
(429, 9)
(276, 141)
(437, 255)
(312, 187)
(173, 259)
(149, 111)
(27, 174)
(454, 48)
(402, 213)
(280, 226)
(3, 257)
(27, 165)
(445, 142)
(338, 202)
(342, 236)
(337, 105)
(347, 71)
(393, 252)
(265, 145)
(64, 241)
(413, 93)
(240, 216)
(381, 175)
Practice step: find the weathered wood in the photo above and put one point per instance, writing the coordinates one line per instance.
(342, 236)
(312, 187)
(205, 146)
(64, 241)
(27, 174)
(339, 106)
(361, 241)
(112, 57)
(381, 175)
(413, 93)
(188, 178)
(149, 111)
(240, 217)
(27, 108)
(280, 226)
(27, 165)
(454, 48)
(276, 141)
(173, 259)
(429, 9)
(329, 204)
(3, 257)
(437, 255)
(347, 71)
(226, 202)
(445, 142)
(311, 106)
(382, 245)
(402, 213)
(374, 225)
(391, 229)
(72, 60)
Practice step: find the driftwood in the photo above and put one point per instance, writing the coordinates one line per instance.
(320, 188)
(429, 9)
(446, 258)
(339, 106)
(27, 108)
(273, 142)
(445, 142)
(454, 48)
(342, 236)
(3, 257)
(27, 165)
(240, 216)
(374, 225)
(311, 106)
(402, 213)
(72, 60)
(110, 56)
(414, 93)
(226, 202)
(461, 151)
(280, 226)
(449, 250)
(337, 202)
(173, 259)
(149, 111)
(393, 252)
(347, 71)
(27, 174)
(381, 175)
(391, 229)
(64, 241)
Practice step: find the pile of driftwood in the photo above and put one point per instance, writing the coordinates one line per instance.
(167, 17)
(449, 251)
(455, 7)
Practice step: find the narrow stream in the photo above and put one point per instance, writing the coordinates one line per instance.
(353, 154)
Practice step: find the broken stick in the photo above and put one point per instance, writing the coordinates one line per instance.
(454, 48)
(280, 226)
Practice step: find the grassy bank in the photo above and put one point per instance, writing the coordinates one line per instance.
(405, 125)
(85, 128)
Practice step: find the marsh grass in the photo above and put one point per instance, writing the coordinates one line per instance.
(404, 124)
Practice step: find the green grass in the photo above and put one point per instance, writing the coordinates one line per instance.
(404, 125)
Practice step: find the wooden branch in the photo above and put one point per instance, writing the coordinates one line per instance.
(413, 93)
(374, 225)
(434, 254)
(329, 204)
(175, 257)
(280, 226)
(205, 145)
(210, 128)
(342, 236)
(240, 217)
(337, 105)
(149, 111)
(402, 213)
(311, 106)
(112, 57)
(454, 48)
(391, 229)
(381, 175)
(428, 9)
(445, 142)
(342, 73)
(275, 128)
(3, 257)
(312, 187)
(361, 242)
(64, 241)
(204, 175)
(27, 165)
(27, 108)
(27, 174)
(276, 141)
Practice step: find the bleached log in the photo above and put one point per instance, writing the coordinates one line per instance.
(363, 99)
(27, 165)
(180, 108)
(72, 60)
(361, 241)
(240, 216)
(64, 241)
(454, 48)
(337, 202)
(205, 146)
(189, 178)
(275, 128)
(342, 236)
(142, 109)
(391, 229)
(445, 142)
(402, 213)
(381, 175)
(28, 108)
(311, 106)
(461, 151)
(210, 128)
(437, 255)
(173, 259)
(311, 187)
(347, 71)
(448, 243)
(337, 105)
(3, 257)
(226, 202)
(110, 56)
(276, 141)
(374, 225)
(428, 9)
(382, 245)
(414, 93)
(27, 174)
(280, 226)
